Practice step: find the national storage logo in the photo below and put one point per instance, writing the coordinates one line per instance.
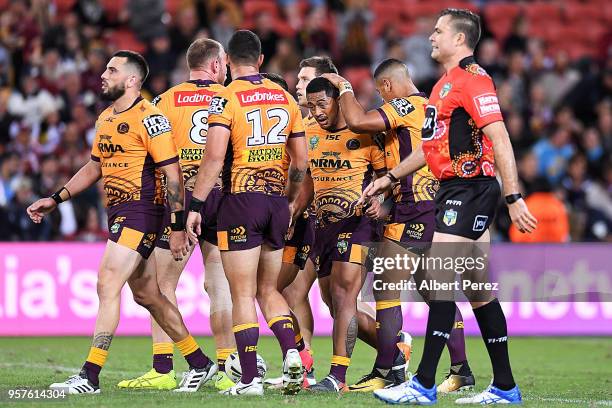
(263, 155)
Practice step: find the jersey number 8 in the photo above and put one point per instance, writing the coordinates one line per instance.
(275, 134)
(198, 131)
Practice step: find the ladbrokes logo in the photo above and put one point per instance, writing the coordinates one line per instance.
(262, 96)
(238, 234)
(193, 98)
(263, 155)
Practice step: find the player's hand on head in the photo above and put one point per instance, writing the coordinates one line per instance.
(522, 219)
(335, 79)
(40, 208)
(193, 226)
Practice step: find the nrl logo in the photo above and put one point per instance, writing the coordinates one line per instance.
(313, 142)
(342, 247)
(445, 89)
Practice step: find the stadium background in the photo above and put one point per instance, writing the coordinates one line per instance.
(551, 62)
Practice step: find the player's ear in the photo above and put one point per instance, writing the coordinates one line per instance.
(260, 60)
(459, 39)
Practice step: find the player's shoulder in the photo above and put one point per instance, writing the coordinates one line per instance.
(405, 105)
(471, 72)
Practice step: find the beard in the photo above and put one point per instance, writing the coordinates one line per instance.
(112, 94)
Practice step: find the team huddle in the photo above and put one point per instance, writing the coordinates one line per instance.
(278, 193)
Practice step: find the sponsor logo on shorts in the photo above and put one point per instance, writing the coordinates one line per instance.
(480, 222)
(123, 128)
(445, 89)
(353, 144)
(441, 334)
(238, 234)
(165, 237)
(262, 96)
(415, 230)
(454, 202)
(342, 247)
(487, 104)
(304, 252)
(217, 105)
(401, 106)
(193, 98)
(450, 217)
(148, 240)
(156, 125)
(191, 154)
(263, 155)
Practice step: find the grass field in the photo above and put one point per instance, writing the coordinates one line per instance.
(552, 372)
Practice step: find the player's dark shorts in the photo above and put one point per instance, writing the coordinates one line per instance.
(342, 241)
(466, 207)
(413, 224)
(298, 248)
(209, 219)
(248, 220)
(135, 225)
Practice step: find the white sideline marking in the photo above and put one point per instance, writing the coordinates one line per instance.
(584, 402)
(60, 368)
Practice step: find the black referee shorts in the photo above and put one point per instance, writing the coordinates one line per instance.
(466, 207)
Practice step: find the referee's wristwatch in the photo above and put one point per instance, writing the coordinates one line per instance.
(513, 198)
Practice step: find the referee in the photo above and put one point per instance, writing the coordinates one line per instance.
(464, 137)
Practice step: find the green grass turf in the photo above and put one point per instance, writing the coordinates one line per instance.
(552, 372)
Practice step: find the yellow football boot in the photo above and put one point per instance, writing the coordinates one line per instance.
(151, 381)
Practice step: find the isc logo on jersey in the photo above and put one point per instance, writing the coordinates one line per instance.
(193, 98)
(262, 96)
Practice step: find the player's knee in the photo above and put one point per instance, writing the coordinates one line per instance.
(107, 290)
(146, 297)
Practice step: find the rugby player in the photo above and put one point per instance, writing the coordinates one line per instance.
(341, 163)
(133, 143)
(186, 106)
(464, 137)
(412, 215)
(256, 137)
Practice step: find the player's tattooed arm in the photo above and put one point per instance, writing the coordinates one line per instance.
(296, 175)
(174, 186)
(175, 195)
(351, 336)
(103, 340)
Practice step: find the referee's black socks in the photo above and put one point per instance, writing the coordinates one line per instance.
(492, 323)
(439, 325)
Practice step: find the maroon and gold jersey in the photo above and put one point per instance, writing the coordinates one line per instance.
(261, 117)
(403, 119)
(461, 104)
(186, 106)
(130, 145)
(341, 165)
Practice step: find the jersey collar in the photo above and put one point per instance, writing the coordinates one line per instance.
(131, 106)
(201, 82)
(467, 61)
(255, 78)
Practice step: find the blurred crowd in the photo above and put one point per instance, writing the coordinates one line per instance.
(557, 106)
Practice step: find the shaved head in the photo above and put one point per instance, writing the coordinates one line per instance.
(392, 79)
(391, 68)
